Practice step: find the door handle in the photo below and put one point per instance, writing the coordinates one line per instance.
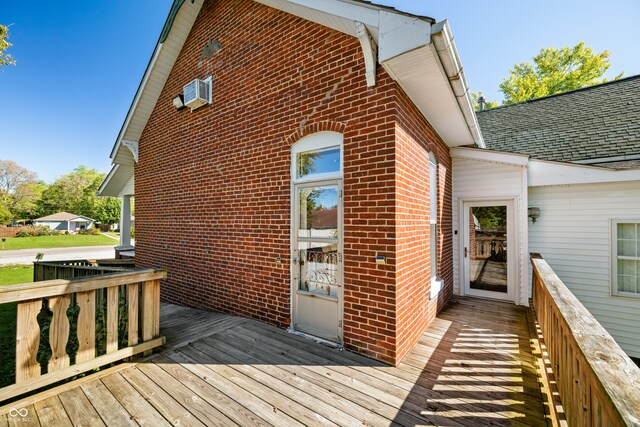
(465, 252)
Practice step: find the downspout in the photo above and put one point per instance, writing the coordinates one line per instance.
(447, 53)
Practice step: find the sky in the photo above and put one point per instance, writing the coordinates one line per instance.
(80, 62)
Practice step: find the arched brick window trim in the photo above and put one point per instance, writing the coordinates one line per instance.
(314, 128)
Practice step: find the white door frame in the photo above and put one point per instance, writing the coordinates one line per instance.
(295, 291)
(512, 252)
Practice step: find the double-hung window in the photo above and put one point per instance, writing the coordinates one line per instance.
(433, 217)
(625, 267)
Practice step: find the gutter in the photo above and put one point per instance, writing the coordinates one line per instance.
(447, 53)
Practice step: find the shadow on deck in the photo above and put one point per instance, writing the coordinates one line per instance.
(473, 367)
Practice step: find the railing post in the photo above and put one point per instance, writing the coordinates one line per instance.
(59, 332)
(86, 326)
(27, 340)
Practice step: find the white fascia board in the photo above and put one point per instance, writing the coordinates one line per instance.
(545, 174)
(490, 156)
(147, 78)
(356, 12)
(136, 99)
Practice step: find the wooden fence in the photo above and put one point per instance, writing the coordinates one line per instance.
(599, 385)
(9, 231)
(140, 290)
(50, 270)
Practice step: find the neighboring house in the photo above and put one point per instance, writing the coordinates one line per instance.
(64, 221)
(322, 181)
(582, 155)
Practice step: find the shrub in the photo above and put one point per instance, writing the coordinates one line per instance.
(35, 231)
(93, 231)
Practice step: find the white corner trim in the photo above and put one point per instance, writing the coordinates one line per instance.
(370, 52)
(133, 147)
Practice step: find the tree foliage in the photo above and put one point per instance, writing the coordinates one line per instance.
(18, 188)
(76, 192)
(555, 71)
(5, 58)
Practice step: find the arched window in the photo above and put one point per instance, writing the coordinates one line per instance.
(316, 157)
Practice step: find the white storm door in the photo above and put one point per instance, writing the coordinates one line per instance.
(488, 251)
(316, 289)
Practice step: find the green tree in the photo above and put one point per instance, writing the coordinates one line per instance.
(107, 210)
(16, 187)
(555, 71)
(5, 215)
(74, 193)
(5, 58)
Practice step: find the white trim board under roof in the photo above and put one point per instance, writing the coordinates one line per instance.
(417, 53)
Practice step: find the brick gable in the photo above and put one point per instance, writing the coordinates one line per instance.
(213, 186)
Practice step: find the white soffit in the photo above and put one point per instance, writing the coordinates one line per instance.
(423, 79)
(116, 180)
(490, 156)
(545, 173)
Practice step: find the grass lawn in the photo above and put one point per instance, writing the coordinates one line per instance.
(61, 241)
(10, 275)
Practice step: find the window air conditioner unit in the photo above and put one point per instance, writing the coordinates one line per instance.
(197, 93)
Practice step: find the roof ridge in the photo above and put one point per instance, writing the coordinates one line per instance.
(542, 98)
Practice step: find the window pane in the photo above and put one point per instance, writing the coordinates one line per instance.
(434, 250)
(318, 162)
(318, 212)
(626, 283)
(627, 231)
(627, 247)
(626, 267)
(318, 264)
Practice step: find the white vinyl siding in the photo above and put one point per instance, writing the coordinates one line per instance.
(574, 235)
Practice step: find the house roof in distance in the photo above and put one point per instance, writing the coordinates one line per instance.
(597, 125)
(62, 216)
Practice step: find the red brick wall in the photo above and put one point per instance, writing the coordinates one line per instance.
(212, 187)
(415, 139)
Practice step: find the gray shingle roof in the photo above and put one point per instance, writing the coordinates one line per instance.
(596, 122)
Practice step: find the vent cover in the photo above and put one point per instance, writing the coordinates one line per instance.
(197, 93)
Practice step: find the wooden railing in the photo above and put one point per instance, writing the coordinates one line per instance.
(599, 385)
(50, 270)
(138, 289)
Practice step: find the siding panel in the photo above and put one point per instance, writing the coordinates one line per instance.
(573, 235)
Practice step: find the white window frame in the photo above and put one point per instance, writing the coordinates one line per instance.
(614, 258)
(436, 283)
(319, 141)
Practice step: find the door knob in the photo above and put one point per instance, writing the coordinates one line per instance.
(465, 252)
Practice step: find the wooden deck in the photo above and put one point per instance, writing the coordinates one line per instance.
(473, 367)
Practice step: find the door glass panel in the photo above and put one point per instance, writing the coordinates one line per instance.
(488, 248)
(318, 268)
(318, 162)
(318, 212)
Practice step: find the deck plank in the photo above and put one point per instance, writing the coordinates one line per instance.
(141, 411)
(164, 402)
(474, 366)
(51, 413)
(199, 405)
(106, 405)
(80, 410)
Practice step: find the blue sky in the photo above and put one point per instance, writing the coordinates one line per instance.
(79, 63)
